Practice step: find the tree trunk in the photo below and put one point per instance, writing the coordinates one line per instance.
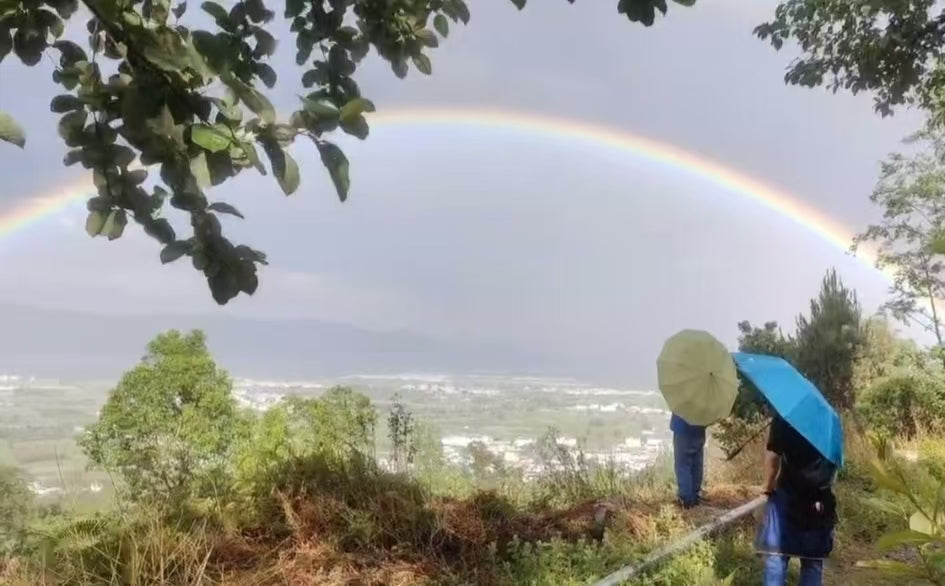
(935, 321)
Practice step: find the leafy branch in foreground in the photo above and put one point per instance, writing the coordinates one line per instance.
(926, 532)
(151, 92)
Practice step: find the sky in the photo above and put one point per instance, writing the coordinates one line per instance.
(529, 240)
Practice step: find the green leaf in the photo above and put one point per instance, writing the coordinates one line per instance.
(642, 11)
(69, 53)
(937, 242)
(227, 110)
(115, 224)
(65, 103)
(72, 123)
(29, 44)
(136, 177)
(221, 166)
(175, 250)
(283, 133)
(284, 168)
(685, 2)
(10, 131)
(213, 138)
(266, 74)
(72, 157)
(294, 8)
(250, 150)
(65, 8)
(95, 222)
(250, 254)
(200, 170)
(179, 10)
(254, 100)
(337, 164)
(520, 4)
(160, 9)
(462, 11)
(357, 127)
(883, 505)
(199, 260)
(422, 63)
(441, 25)
(219, 14)
(213, 50)
(225, 208)
(160, 229)
(6, 42)
(399, 66)
(921, 524)
(256, 10)
(884, 479)
(224, 285)
(354, 108)
(359, 49)
(428, 38)
(310, 77)
(339, 61)
(321, 109)
(247, 278)
(50, 22)
(892, 568)
(305, 43)
(265, 43)
(906, 537)
(166, 50)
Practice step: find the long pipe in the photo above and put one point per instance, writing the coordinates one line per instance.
(627, 572)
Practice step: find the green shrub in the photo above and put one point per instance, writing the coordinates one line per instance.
(167, 430)
(561, 562)
(337, 426)
(902, 406)
(16, 502)
(735, 556)
(696, 565)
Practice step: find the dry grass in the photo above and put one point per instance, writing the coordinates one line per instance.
(459, 540)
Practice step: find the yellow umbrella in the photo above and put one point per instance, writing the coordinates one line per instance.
(697, 377)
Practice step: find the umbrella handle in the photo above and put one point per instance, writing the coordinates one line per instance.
(731, 456)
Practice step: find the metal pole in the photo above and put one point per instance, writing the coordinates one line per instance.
(627, 572)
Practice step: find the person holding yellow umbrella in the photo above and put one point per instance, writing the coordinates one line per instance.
(698, 380)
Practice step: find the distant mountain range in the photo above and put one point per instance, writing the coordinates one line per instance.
(67, 344)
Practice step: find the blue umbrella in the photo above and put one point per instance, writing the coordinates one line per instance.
(797, 400)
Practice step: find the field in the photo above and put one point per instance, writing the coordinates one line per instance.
(39, 420)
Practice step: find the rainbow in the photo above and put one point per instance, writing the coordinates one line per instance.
(736, 182)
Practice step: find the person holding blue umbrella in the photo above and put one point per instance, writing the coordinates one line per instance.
(804, 452)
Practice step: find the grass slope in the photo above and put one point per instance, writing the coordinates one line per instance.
(347, 522)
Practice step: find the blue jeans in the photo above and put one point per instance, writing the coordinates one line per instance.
(776, 570)
(688, 454)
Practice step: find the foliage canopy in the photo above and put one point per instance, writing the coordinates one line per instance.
(170, 423)
(893, 48)
(909, 239)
